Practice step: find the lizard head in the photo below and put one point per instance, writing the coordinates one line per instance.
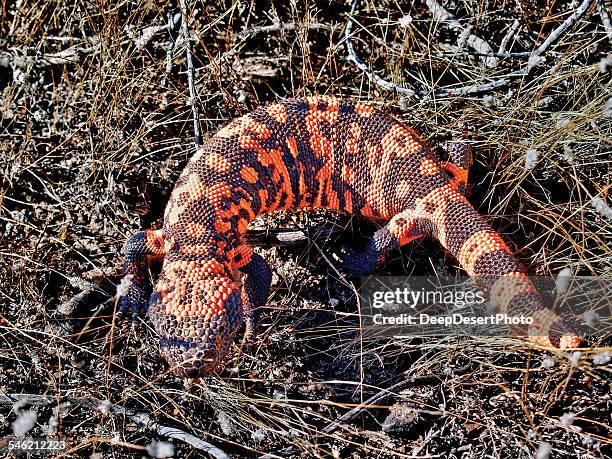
(197, 318)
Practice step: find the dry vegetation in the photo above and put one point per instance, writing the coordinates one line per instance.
(95, 131)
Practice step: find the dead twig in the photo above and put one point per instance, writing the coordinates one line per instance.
(473, 53)
(384, 393)
(193, 96)
(388, 86)
(556, 34)
(473, 41)
(605, 18)
(145, 421)
(282, 26)
(142, 419)
(504, 43)
(75, 53)
(170, 26)
(341, 277)
(461, 90)
(446, 92)
(70, 55)
(378, 81)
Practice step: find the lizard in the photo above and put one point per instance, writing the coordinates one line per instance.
(312, 152)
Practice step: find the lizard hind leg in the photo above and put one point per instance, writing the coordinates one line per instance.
(138, 251)
(256, 287)
(401, 229)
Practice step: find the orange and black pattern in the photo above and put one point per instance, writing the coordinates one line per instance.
(313, 152)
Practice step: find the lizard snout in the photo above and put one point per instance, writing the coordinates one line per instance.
(197, 326)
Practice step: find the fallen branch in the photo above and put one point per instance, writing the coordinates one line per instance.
(193, 96)
(359, 408)
(504, 43)
(554, 36)
(378, 81)
(605, 18)
(473, 41)
(442, 14)
(145, 35)
(145, 421)
(71, 55)
(142, 419)
(479, 88)
(473, 53)
(74, 54)
(170, 48)
(282, 26)
(388, 86)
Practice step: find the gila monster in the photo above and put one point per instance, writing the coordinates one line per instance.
(315, 152)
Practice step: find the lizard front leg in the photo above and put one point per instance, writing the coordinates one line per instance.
(138, 251)
(256, 286)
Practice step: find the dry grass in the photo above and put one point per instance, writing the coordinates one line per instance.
(94, 133)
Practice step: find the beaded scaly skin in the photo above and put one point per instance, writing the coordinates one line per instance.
(317, 152)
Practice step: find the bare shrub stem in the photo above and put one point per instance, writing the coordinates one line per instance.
(473, 41)
(559, 31)
(193, 96)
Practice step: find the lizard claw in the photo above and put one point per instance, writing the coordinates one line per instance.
(565, 333)
(135, 300)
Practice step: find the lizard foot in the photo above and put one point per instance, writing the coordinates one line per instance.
(358, 264)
